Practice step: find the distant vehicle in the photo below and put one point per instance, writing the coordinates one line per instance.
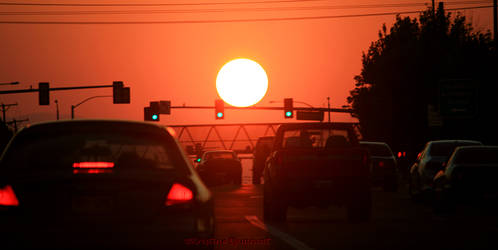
(383, 167)
(100, 184)
(220, 167)
(470, 175)
(317, 164)
(261, 152)
(429, 162)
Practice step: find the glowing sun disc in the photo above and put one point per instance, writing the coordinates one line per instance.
(242, 82)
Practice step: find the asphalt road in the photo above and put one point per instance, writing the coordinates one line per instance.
(397, 223)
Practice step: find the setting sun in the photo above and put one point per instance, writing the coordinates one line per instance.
(242, 82)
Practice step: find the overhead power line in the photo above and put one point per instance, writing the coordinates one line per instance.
(154, 4)
(234, 20)
(180, 11)
(189, 4)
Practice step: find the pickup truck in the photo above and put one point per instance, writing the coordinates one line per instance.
(317, 164)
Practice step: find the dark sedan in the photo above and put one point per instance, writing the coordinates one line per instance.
(100, 184)
(429, 162)
(470, 176)
(220, 167)
(383, 167)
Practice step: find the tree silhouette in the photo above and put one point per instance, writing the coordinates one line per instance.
(401, 73)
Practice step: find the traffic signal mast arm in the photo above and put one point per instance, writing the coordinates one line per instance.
(340, 110)
(53, 89)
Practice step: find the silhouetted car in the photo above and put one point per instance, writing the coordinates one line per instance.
(317, 164)
(97, 183)
(220, 167)
(429, 162)
(470, 175)
(261, 152)
(383, 166)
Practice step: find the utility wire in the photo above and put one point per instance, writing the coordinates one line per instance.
(189, 4)
(180, 11)
(154, 4)
(235, 20)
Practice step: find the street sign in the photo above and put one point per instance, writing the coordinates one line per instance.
(458, 98)
(309, 115)
(165, 107)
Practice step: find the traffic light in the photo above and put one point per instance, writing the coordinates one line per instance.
(154, 109)
(288, 108)
(219, 109)
(149, 115)
(43, 93)
(120, 94)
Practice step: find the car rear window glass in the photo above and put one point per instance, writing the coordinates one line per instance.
(219, 155)
(314, 138)
(127, 149)
(477, 156)
(446, 149)
(378, 149)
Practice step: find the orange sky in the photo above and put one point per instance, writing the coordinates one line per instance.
(308, 60)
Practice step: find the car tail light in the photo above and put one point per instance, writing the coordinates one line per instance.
(99, 164)
(400, 154)
(7, 197)
(178, 194)
(381, 164)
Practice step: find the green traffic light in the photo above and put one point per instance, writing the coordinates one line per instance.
(219, 114)
(198, 160)
(288, 114)
(155, 117)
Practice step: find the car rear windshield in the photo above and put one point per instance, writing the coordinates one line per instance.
(315, 138)
(378, 149)
(63, 148)
(477, 156)
(446, 149)
(219, 155)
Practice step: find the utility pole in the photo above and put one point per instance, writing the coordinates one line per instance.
(495, 23)
(17, 121)
(57, 107)
(328, 101)
(6, 107)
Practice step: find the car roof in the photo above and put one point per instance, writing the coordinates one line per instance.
(461, 148)
(374, 143)
(95, 122)
(453, 141)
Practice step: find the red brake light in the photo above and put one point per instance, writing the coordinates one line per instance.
(404, 154)
(399, 154)
(7, 197)
(381, 164)
(178, 194)
(93, 165)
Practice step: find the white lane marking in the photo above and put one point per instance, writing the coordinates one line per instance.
(296, 244)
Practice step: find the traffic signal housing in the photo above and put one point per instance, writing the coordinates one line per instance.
(155, 111)
(120, 94)
(219, 109)
(149, 115)
(43, 93)
(288, 108)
